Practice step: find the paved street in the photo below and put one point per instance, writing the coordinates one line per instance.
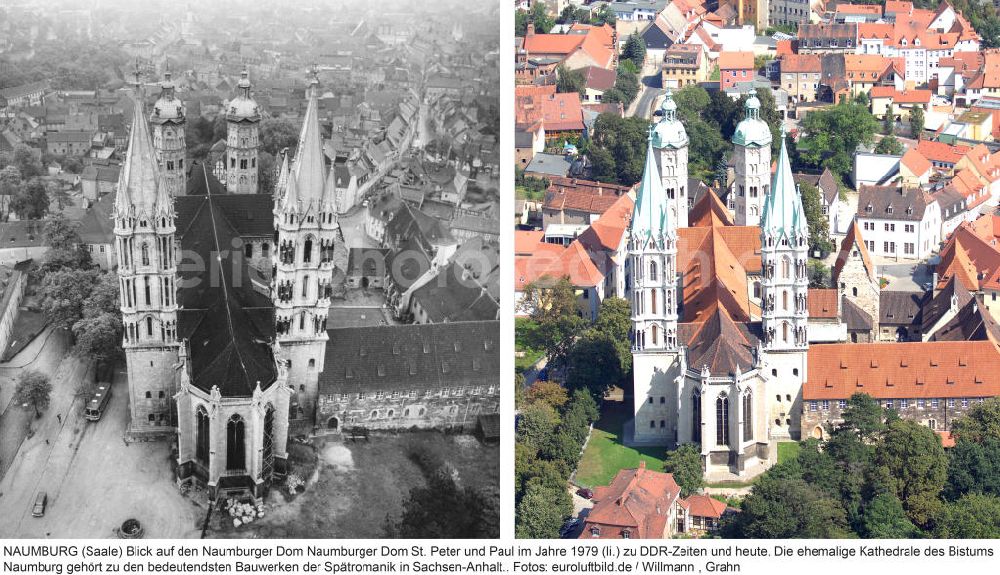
(93, 479)
(649, 91)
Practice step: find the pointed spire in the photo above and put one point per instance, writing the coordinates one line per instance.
(651, 203)
(139, 183)
(783, 213)
(279, 189)
(309, 168)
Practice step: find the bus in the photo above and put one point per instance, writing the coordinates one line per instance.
(98, 401)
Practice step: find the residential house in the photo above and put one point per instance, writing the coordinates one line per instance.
(69, 143)
(21, 241)
(899, 222)
(888, 100)
(31, 94)
(942, 156)
(900, 315)
(575, 201)
(833, 208)
(800, 75)
(703, 514)
(914, 169)
(828, 38)
(96, 181)
(735, 68)
(638, 504)
(597, 81)
(683, 65)
(583, 45)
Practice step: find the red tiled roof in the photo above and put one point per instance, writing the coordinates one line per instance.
(705, 506)
(941, 152)
(901, 97)
(936, 369)
(562, 112)
(965, 256)
(852, 239)
(735, 60)
(801, 63)
(915, 162)
(823, 303)
(638, 500)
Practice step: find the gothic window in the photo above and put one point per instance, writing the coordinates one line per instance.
(786, 268)
(696, 417)
(652, 271)
(655, 332)
(784, 332)
(146, 278)
(748, 416)
(149, 326)
(753, 210)
(267, 463)
(201, 440)
(243, 164)
(248, 250)
(305, 286)
(652, 300)
(145, 254)
(784, 300)
(722, 420)
(235, 448)
(307, 251)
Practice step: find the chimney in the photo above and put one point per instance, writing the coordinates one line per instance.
(642, 464)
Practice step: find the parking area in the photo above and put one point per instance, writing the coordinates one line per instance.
(908, 277)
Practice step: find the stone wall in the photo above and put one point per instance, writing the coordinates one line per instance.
(446, 408)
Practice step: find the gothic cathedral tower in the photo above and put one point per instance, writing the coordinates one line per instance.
(652, 254)
(306, 226)
(784, 239)
(242, 138)
(752, 164)
(168, 138)
(670, 144)
(147, 272)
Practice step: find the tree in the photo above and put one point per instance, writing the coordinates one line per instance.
(973, 467)
(624, 140)
(33, 391)
(265, 173)
(541, 513)
(980, 423)
(10, 187)
(831, 136)
(685, 465)
(569, 80)
(277, 134)
(884, 518)
(549, 393)
(614, 318)
(916, 122)
(444, 510)
(862, 99)
(598, 362)
(864, 417)
(627, 82)
(99, 336)
(819, 274)
(66, 249)
(819, 226)
(889, 145)
(536, 425)
(784, 506)
(889, 121)
(973, 516)
(537, 15)
(635, 50)
(32, 201)
(552, 305)
(28, 161)
(916, 467)
(63, 293)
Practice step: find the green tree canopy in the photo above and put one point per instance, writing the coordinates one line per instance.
(819, 226)
(980, 422)
(831, 136)
(618, 148)
(973, 516)
(917, 122)
(884, 518)
(685, 465)
(552, 305)
(32, 201)
(635, 50)
(569, 80)
(916, 467)
(890, 145)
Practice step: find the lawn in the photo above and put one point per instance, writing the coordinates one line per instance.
(788, 450)
(530, 358)
(605, 453)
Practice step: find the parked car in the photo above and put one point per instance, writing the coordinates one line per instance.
(40, 501)
(585, 493)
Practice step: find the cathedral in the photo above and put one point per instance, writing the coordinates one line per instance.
(719, 302)
(224, 292)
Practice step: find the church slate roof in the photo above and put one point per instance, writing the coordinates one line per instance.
(250, 214)
(720, 343)
(228, 325)
(418, 357)
(941, 303)
(856, 318)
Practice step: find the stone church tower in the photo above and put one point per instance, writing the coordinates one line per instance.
(242, 140)
(168, 122)
(784, 290)
(670, 145)
(652, 254)
(306, 227)
(752, 164)
(147, 272)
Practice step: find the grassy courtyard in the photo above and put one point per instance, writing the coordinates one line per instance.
(788, 450)
(606, 454)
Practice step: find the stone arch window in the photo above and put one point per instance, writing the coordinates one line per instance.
(696, 416)
(312, 363)
(854, 291)
(390, 413)
(748, 416)
(202, 434)
(373, 414)
(307, 250)
(753, 210)
(655, 334)
(784, 332)
(652, 302)
(652, 271)
(722, 420)
(786, 268)
(145, 254)
(149, 326)
(236, 457)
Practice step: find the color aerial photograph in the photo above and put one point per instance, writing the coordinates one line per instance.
(756, 269)
(250, 269)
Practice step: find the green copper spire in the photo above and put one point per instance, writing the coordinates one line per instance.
(783, 213)
(650, 218)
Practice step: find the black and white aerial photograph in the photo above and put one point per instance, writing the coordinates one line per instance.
(249, 269)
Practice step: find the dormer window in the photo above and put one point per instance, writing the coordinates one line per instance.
(909, 210)
(888, 209)
(869, 208)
